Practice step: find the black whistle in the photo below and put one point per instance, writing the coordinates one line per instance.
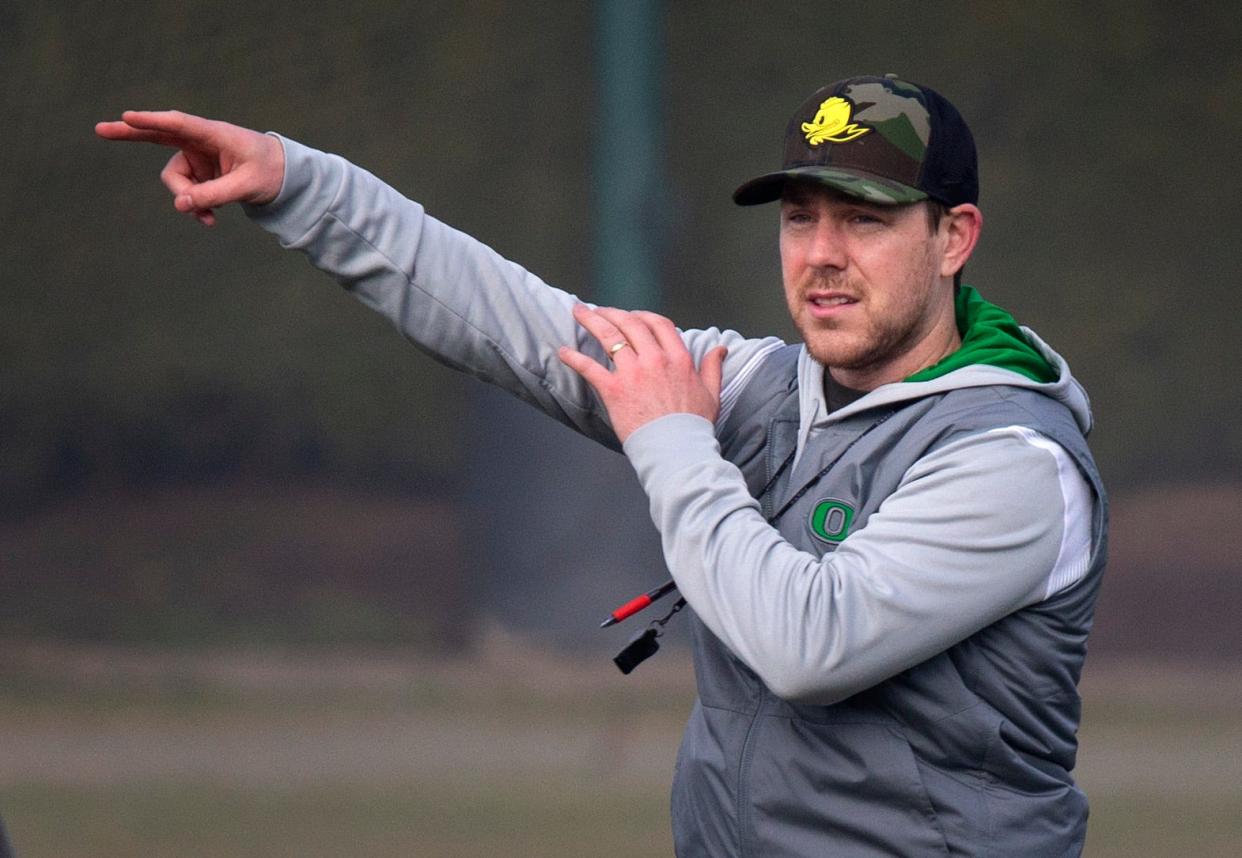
(642, 647)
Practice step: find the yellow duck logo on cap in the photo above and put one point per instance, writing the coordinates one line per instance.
(832, 123)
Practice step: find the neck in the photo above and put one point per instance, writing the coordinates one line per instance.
(869, 378)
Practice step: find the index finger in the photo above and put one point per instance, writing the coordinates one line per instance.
(164, 127)
(184, 125)
(117, 130)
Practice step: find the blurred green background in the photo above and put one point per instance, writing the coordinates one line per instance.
(244, 608)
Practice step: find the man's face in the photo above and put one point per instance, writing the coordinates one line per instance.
(864, 286)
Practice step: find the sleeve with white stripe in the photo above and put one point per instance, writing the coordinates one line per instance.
(976, 530)
(1074, 556)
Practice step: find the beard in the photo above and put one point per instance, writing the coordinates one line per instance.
(876, 331)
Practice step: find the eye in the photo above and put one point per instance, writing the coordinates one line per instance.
(866, 221)
(797, 217)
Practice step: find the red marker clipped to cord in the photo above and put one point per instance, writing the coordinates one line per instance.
(645, 644)
(633, 606)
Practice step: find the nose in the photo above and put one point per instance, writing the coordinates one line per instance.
(825, 248)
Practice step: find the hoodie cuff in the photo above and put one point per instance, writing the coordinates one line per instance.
(669, 444)
(310, 186)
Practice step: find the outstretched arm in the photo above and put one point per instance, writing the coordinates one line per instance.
(451, 295)
(215, 164)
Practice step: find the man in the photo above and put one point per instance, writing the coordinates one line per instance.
(891, 535)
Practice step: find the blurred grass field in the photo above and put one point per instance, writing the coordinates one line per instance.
(122, 752)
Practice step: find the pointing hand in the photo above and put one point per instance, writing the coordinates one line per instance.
(216, 163)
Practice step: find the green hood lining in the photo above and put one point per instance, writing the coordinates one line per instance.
(989, 336)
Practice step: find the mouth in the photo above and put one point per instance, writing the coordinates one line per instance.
(827, 304)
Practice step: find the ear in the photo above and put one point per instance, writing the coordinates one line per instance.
(962, 224)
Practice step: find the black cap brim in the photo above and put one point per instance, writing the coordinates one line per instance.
(855, 183)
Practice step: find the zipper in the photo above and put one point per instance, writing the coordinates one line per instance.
(745, 825)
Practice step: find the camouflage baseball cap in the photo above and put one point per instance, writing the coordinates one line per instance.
(878, 138)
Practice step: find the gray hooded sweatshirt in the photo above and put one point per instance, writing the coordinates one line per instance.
(890, 601)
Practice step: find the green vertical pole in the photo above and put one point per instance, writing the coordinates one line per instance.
(627, 211)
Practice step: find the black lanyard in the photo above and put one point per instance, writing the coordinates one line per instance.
(811, 483)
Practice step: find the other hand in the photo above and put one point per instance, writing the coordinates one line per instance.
(216, 163)
(653, 373)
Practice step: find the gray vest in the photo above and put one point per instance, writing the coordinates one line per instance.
(967, 753)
